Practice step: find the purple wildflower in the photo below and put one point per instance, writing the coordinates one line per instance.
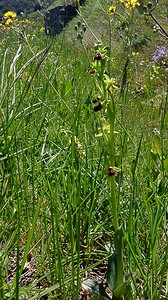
(161, 52)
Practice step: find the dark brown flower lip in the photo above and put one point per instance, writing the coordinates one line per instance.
(98, 107)
(111, 171)
(98, 56)
(94, 101)
(92, 71)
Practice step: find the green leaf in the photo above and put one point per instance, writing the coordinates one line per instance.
(156, 145)
(112, 271)
(95, 289)
(91, 286)
(166, 164)
(1, 284)
(124, 289)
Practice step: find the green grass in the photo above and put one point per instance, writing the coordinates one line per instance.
(56, 219)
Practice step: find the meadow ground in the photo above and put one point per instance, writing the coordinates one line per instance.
(84, 155)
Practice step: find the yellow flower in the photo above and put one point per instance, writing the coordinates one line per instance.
(135, 53)
(9, 15)
(112, 10)
(9, 21)
(110, 83)
(129, 4)
(26, 21)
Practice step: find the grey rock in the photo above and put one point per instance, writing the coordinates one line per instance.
(57, 18)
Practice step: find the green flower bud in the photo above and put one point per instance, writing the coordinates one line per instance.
(79, 36)
(140, 9)
(76, 27)
(79, 23)
(145, 9)
(149, 6)
(84, 27)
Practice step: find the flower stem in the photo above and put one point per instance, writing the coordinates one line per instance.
(111, 111)
(118, 231)
(158, 23)
(113, 202)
